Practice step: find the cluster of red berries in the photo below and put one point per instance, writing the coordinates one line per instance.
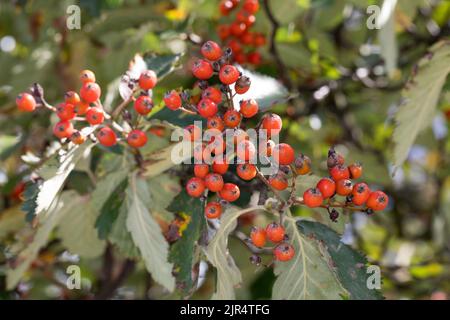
(340, 184)
(283, 251)
(86, 107)
(237, 34)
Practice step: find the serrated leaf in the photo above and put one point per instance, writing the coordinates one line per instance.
(9, 144)
(162, 160)
(121, 237)
(310, 275)
(387, 36)
(67, 202)
(161, 64)
(77, 231)
(228, 274)
(182, 251)
(11, 220)
(147, 234)
(350, 265)
(29, 205)
(421, 97)
(176, 117)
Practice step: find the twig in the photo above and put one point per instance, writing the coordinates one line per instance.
(267, 183)
(247, 241)
(110, 287)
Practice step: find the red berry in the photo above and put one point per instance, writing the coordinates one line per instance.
(240, 58)
(202, 69)
(251, 6)
(238, 28)
(355, 170)
(246, 171)
(258, 237)
(272, 123)
(192, 133)
(95, 116)
(214, 182)
(235, 46)
(195, 187)
(254, 58)
(137, 138)
(213, 94)
(207, 108)
(339, 172)
(284, 252)
(199, 151)
(275, 232)
(344, 187)
(213, 210)
(63, 129)
(223, 31)
(65, 111)
(77, 137)
(360, 193)
(107, 137)
(211, 50)
(232, 118)
(229, 74)
(247, 37)
(245, 150)
(230, 192)
(225, 7)
(302, 164)
(242, 85)
(216, 123)
(172, 100)
(221, 167)
(245, 17)
(259, 40)
(249, 108)
(87, 76)
(148, 80)
(90, 92)
(312, 197)
(327, 187)
(25, 102)
(143, 105)
(279, 181)
(201, 170)
(283, 154)
(377, 201)
(81, 108)
(72, 97)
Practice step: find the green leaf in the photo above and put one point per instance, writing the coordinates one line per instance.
(310, 275)
(350, 265)
(8, 144)
(303, 183)
(421, 97)
(11, 220)
(161, 64)
(228, 274)
(176, 117)
(69, 201)
(387, 36)
(121, 237)
(29, 205)
(182, 251)
(147, 234)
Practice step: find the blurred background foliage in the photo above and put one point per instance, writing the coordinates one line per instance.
(345, 82)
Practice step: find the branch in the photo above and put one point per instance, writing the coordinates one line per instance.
(108, 290)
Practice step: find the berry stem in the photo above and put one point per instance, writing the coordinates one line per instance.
(118, 110)
(299, 201)
(266, 182)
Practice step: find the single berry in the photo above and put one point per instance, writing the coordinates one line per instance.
(242, 85)
(202, 69)
(355, 170)
(137, 138)
(249, 108)
(143, 105)
(192, 133)
(232, 118)
(90, 92)
(214, 182)
(87, 76)
(107, 137)
(235, 46)
(279, 181)
(211, 50)
(377, 201)
(254, 58)
(246, 171)
(213, 210)
(283, 154)
(284, 252)
(81, 108)
(259, 40)
(312, 198)
(229, 74)
(195, 187)
(275, 232)
(272, 123)
(246, 17)
(339, 172)
(201, 170)
(302, 164)
(25, 102)
(199, 151)
(71, 97)
(230, 192)
(251, 6)
(213, 94)
(327, 187)
(77, 137)
(223, 31)
(172, 100)
(63, 129)
(258, 237)
(360, 193)
(220, 167)
(148, 80)
(207, 108)
(65, 111)
(237, 28)
(225, 7)
(245, 150)
(215, 122)
(334, 159)
(344, 187)
(95, 116)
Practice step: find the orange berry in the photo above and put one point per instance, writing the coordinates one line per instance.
(355, 170)
(211, 50)
(258, 237)
(284, 252)
(65, 111)
(173, 100)
(71, 97)
(377, 201)
(283, 154)
(148, 80)
(25, 102)
(339, 172)
(221, 167)
(213, 210)
(90, 92)
(312, 198)
(195, 187)
(214, 182)
(275, 232)
(344, 187)
(246, 171)
(215, 122)
(63, 129)
(143, 105)
(87, 76)
(249, 108)
(245, 150)
(279, 181)
(302, 164)
(95, 116)
(360, 193)
(272, 123)
(107, 137)
(137, 138)
(230, 192)
(201, 170)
